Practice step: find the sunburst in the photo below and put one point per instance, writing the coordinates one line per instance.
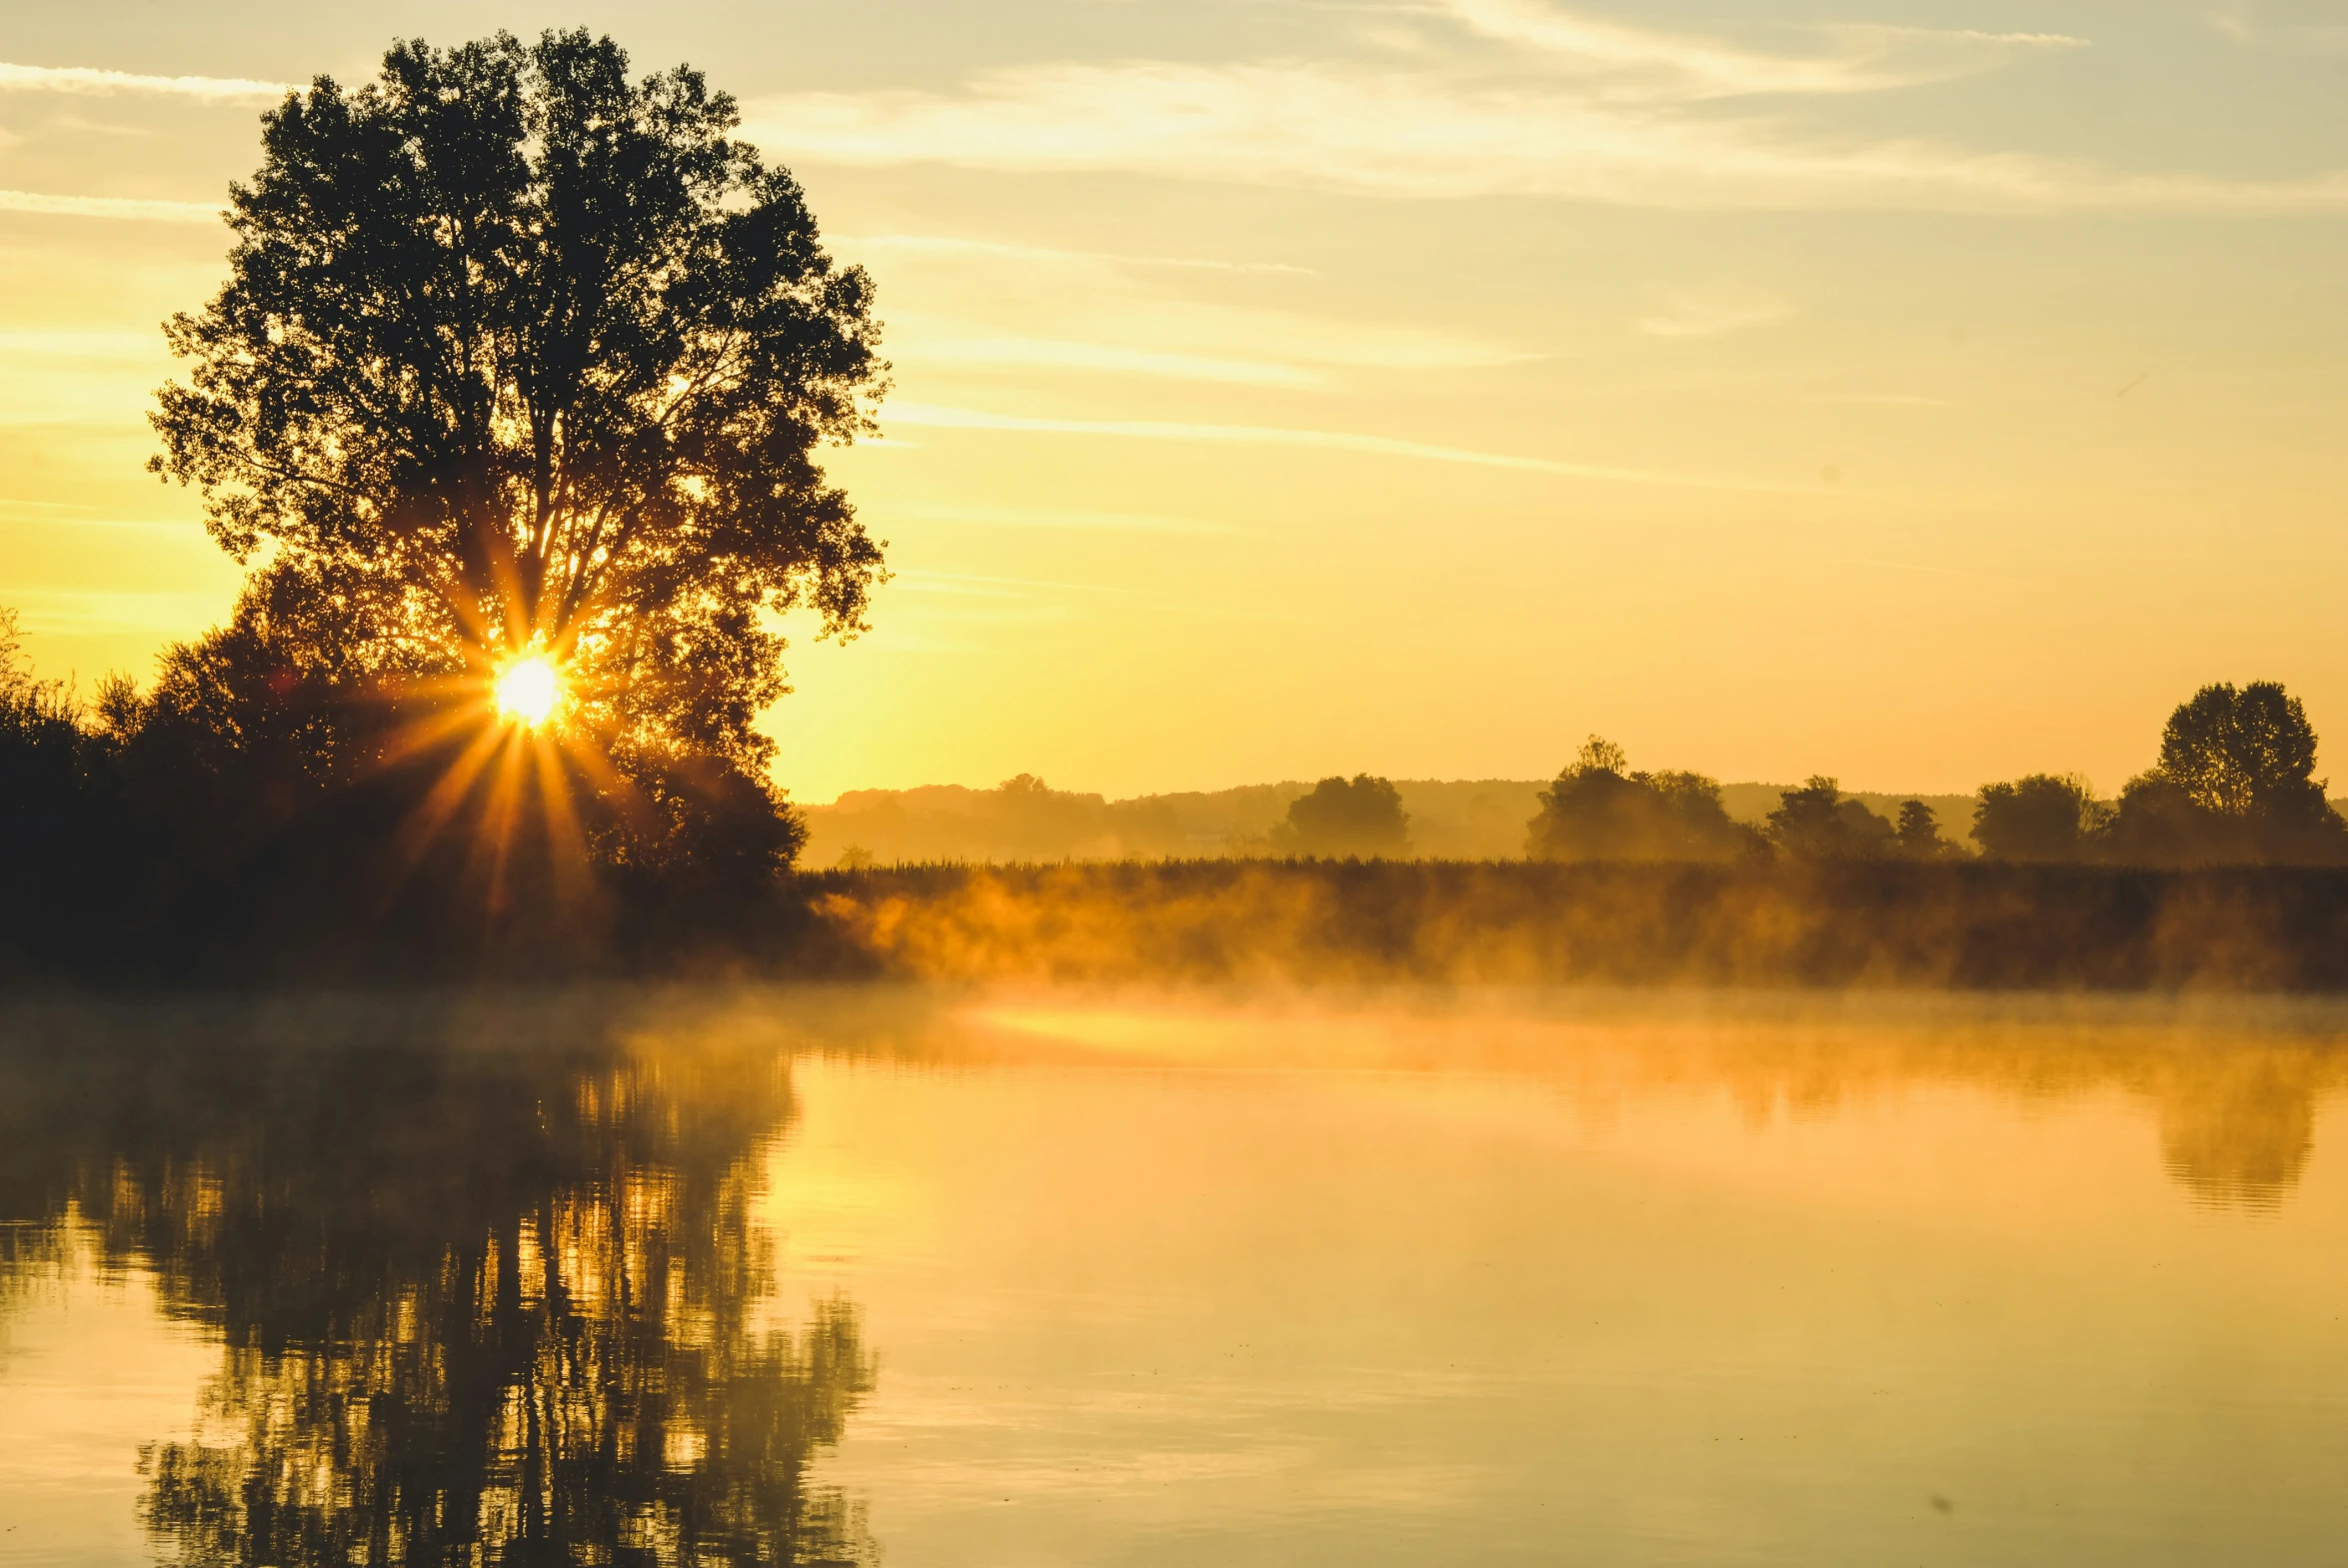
(520, 756)
(528, 690)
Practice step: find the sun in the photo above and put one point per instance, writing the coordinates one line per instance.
(529, 689)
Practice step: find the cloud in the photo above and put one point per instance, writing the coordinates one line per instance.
(954, 245)
(83, 79)
(1385, 133)
(109, 207)
(1642, 63)
(74, 610)
(1180, 339)
(1712, 313)
(1069, 354)
(1046, 517)
(943, 417)
(2230, 22)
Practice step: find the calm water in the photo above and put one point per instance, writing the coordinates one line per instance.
(1379, 1279)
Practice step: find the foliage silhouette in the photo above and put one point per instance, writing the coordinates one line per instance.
(517, 353)
(2249, 753)
(1600, 810)
(1917, 834)
(2039, 817)
(1816, 822)
(488, 1291)
(1364, 817)
(2234, 785)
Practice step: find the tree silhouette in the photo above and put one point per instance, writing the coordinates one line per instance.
(2043, 816)
(1816, 822)
(521, 358)
(2242, 753)
(1600, 810)
(1919, 832)
(2235, 783)
(1364, 817)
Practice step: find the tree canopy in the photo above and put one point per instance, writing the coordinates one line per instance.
(1818, 823)
(2247, 753)
(1359, 817)
(2043, 816)
(1599, 809)
(520, 356)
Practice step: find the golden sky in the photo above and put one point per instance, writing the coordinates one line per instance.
(1920, 394)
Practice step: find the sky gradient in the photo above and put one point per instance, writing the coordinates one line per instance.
(1920, 394)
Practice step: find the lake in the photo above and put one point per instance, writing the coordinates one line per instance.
(1361, 1278)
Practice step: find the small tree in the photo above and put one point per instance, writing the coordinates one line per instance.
(1364, 817)
(2043, 816)
(1919, 832)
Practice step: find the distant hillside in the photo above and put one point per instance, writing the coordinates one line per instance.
(1466, 818)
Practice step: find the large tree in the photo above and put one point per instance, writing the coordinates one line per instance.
(523, 358)
(2235, 783)
(2246, 752)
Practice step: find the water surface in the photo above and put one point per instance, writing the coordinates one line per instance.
(1381, 1279)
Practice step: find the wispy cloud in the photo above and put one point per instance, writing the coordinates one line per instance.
(1710, 313)
(1638, 62)
(1048, 518)
(1068, 354)
(105, 610)
(1395, 133)
(980, 585)
(88, 80)
(954, 245)
(1178, 340)
(945, 417)
(84, 344)
(1528, 100)
(134, 207)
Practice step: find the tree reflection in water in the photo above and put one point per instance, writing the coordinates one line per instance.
(490, 1290)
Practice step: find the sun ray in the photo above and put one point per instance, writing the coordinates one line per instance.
(566, 840)
(493, 838)
(448, 793)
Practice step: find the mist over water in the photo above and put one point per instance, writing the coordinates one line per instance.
(1373, 1276)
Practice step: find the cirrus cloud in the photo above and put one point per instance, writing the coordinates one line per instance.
(1427, 135)
(90, 80)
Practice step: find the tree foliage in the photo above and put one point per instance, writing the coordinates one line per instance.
(1917, 836)
(1361, 816)
(1817, 823)
(2243, 754)
(2045, 817)
(518, 353)
(1599, 809)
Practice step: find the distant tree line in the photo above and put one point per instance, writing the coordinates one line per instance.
(2234, 786)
